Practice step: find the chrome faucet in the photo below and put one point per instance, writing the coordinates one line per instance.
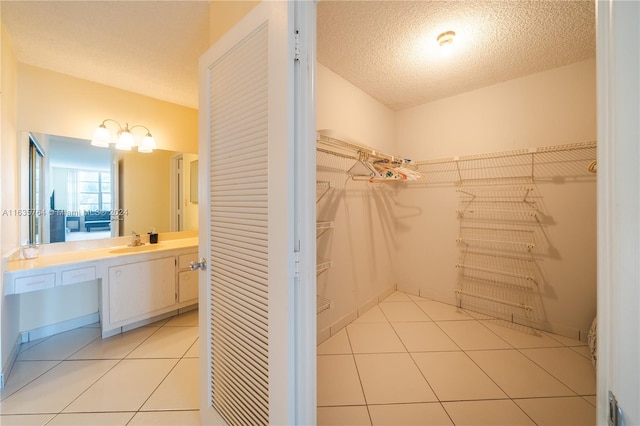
(136, 240)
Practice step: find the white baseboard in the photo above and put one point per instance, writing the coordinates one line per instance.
(61, 327)
(4, 374)
(41, 332)
(347, 319)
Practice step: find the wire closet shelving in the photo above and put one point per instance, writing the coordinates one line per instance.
(496, 190)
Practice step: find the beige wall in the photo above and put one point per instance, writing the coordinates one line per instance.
(353, 114)
(57, 104)
(146, 203)
(548, 108)
(360, 244)
(9, 145)
(9, 311)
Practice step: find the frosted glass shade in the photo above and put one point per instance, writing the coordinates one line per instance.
(148, 144)
(125, 141)
(101, 137)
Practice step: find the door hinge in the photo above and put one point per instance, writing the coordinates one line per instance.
(296, 264)
(296, 51)
(615, 412)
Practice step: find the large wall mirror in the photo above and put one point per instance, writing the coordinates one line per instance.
(75, 191)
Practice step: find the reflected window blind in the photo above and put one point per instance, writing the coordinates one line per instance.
(239, 232)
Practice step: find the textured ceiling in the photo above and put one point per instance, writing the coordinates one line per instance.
(147, 47)
(387, 48)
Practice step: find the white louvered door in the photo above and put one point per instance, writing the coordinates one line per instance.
(246, 222)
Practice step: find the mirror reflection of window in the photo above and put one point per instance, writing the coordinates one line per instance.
(90, 189)
(36, 191)
(82, 184)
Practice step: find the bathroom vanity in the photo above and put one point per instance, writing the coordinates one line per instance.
(137, 284)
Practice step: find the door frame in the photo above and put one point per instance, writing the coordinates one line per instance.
(305, 298)
(176, 195)
(618, 105)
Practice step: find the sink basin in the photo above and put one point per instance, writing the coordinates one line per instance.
(136, 249)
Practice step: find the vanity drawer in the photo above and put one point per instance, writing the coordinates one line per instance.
(185, 259)
(35, 282)
(79, 275)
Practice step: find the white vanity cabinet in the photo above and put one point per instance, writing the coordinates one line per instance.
(137, 290)
(187, 279)
(141, 288)
(138, 285)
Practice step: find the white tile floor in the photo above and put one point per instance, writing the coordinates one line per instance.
(147, 376)
(413, 361)
(407, 361)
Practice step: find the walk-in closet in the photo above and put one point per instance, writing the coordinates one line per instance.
(456, 209)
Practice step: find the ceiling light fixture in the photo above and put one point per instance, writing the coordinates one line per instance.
(445, 40)
(102, 137)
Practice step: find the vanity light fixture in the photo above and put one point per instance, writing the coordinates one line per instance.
(445, 40)
(125, 141)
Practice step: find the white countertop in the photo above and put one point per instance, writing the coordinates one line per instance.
(100, 253)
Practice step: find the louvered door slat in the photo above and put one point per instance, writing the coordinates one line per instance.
(239, 272)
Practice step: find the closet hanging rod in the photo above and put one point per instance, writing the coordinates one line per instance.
(496, 271)
(493, 299)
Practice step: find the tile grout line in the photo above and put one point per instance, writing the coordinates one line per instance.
(411, 356)
(168, 374)
(120, 361)
(480, 368)
(520, 350)
(353, 357)
(165, 378)
(58, 362)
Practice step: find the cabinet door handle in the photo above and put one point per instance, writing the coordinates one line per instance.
(202, 264)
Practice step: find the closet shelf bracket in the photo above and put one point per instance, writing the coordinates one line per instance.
(323, 304)
(322, 227)
(322, 187)
(323, 265)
